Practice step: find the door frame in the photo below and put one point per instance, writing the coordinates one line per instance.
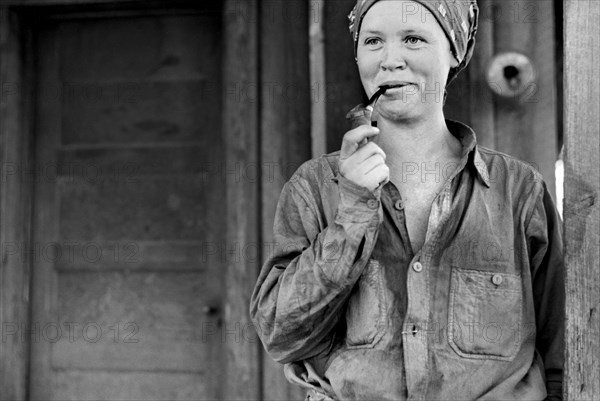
(16, 72)
(243, 358)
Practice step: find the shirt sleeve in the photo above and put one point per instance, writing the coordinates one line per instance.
(305, 282)
(544, 232)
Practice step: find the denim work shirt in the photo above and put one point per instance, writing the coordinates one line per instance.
(477, 313)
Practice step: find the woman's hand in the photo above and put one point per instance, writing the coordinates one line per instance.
(363, 162)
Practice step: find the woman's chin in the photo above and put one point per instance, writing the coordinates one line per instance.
(407, 109)
(398, 111)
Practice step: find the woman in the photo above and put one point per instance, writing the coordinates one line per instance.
(413, 263)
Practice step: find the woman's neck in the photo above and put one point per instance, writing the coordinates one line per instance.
(417, 141)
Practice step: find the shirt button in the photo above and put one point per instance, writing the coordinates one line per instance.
(418, 267)
(497, 279)
(399, 205)
(372, 203)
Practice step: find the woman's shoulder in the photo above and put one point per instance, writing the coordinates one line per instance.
(501, 165)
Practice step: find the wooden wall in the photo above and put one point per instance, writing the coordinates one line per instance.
(241, 128)
(582, 209)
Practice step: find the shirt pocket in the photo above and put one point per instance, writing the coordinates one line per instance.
(485, 314)
(366, 310)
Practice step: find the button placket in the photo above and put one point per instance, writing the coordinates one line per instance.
(415, 344)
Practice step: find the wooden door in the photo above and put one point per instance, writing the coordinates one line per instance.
(129, 206)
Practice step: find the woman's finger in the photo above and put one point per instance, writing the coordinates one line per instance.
(366, 151)
(353, 138)
(371, 163)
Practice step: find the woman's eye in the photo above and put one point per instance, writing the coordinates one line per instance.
(413, 40)
(372, 41)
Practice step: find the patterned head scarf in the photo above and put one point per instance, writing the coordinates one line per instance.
(458, 19)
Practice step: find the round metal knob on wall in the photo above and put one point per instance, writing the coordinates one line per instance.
(510, 74)
(210, 310)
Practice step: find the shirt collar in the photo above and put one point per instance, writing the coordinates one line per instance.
(468, 140)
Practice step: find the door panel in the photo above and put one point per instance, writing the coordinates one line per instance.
(125, 202)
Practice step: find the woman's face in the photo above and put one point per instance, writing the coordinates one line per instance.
(401, 43)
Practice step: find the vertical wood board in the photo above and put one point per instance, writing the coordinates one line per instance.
(240, 129)
(15, 197)
(581, 207)
(287, 96)
(526, 125)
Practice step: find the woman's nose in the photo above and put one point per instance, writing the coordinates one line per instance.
(393, 58)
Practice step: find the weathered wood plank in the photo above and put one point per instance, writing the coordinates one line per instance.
(526, 125)
(582, 207)
(285, 130)
(469, 97)
(53, 2)
(145, 321)
(45, 218)
(90, 45)
(168, 256)
(173, 208)
(343, 86)
(125, 95)
(318, 72)
(15, 198)
(95, 385)
(240, 130)
(91, 9)
(131, 111)
(68, 2)
(481, 100)
(130, 163)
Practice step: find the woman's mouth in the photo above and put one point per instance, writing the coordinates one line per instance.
(395, 89)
